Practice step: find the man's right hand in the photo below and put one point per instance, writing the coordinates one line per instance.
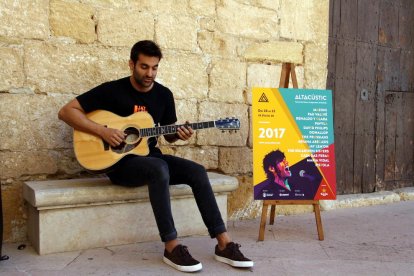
(113, 137)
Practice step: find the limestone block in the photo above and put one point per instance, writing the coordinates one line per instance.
(316, 69)
(14, 42)
(26, 19)
(11, 64)
(66, 162)
(203, 7)
(237, 160)
(227, 81)
(269, 4)
(219, 44)
(68, 68)
(320, 21)
(187, 110)
(121, 27)
(206, 156)
(215, 111)
(263, 75)
(185, 74)
(107, 4)
(73, 20)
(304, 20)
(276, 51)
(207, 26)
(162, 7)
(177, 32)
(246, 20)
(16, 164)
(29, 123)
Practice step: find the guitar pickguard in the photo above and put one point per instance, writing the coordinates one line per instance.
(125, 147)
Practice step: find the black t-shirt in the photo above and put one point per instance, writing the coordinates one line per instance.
(121, 98)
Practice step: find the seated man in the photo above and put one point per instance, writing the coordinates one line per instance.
(139, 92)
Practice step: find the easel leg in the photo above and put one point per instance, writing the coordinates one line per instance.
(318, 221)
(293, 76)
(284, 75)
(263, 222)
(272, 214)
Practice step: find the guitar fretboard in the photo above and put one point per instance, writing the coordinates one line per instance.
(170, 129)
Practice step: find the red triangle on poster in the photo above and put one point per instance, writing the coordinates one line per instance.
(324, 192)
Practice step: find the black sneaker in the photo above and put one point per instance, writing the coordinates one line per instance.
(231, 255)
(181, 259)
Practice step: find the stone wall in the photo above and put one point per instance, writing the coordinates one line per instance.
(215, 52)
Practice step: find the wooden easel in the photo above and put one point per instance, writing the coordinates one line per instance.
(288, 70)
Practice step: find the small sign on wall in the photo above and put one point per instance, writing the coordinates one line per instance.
(293, 144)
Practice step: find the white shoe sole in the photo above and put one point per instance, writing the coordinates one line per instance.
(234, 263)
(192, 268)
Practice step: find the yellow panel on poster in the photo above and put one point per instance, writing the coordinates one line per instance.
(272, 129)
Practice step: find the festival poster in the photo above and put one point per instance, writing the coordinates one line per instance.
(293, 144)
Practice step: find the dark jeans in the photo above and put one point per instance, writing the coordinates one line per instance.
(158, 171)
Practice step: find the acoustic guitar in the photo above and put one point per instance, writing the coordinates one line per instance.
(96, 155)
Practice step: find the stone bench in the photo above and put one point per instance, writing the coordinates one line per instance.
(76, 214)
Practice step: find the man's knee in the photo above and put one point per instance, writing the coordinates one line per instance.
(198, 169)
(160, 171)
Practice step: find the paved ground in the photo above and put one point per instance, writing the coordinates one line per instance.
(374, 240)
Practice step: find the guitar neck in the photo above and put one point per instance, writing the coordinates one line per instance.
(171, 129)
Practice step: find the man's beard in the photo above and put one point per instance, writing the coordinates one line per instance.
(141, 81)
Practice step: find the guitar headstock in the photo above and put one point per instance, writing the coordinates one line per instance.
(228, 124)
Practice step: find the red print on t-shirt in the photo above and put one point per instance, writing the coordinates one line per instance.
(138, 108)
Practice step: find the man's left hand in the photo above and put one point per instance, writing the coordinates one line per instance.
(184, 132)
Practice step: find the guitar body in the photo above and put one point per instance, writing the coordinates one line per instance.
(94, 154)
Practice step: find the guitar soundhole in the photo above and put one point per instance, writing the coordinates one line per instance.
(132, 135)
(131, 141)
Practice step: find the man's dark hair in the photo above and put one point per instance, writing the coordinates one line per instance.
(145, 47)
(271, 159)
